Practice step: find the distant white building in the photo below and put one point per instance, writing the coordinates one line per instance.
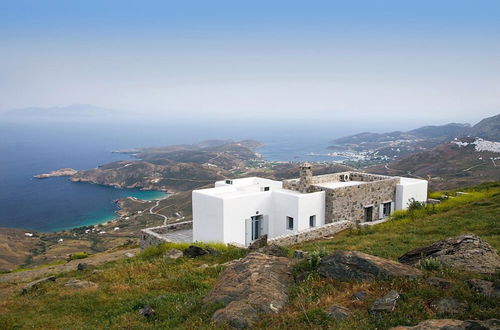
(241, 210)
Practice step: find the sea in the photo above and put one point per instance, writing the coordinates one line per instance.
(30, 147)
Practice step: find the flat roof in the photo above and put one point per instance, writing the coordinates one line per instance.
(339, 184)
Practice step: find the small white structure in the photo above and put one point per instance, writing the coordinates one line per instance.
(241, 210)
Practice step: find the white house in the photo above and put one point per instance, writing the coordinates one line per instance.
(241, 210)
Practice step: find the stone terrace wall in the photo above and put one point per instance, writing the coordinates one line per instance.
(154, 235)
(311, 233)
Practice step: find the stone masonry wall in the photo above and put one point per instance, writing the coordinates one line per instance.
(348, 203)
(311, 233)
(154, 235)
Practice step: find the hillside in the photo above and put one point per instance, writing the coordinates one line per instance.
(459, 163)
(385, 147)
(174, 168)
(174, 288)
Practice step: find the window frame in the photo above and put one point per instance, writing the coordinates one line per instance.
(312, 220)
(288, 219)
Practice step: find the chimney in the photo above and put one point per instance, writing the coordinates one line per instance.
(305, 177)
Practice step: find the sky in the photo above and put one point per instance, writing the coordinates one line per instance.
(419, 61)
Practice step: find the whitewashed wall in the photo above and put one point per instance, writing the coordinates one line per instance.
(208, 213)
(240, 208)
(410, 188)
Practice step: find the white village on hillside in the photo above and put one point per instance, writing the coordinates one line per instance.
(240, 211)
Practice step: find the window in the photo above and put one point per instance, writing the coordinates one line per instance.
(386, 209)
(289, 223)
(229, 181)
(312, 221)
(266, 188)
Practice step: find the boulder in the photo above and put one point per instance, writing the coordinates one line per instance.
(84, 266)
(338, 312)
(360, 295)
(353, 265)
(440, 283)
(79, 284)
(467, 252)
(33, 285)
(147, 311)
(256, 284)
(258, 243)
(194, 251)
(485, 288)
(173, 254)
(453, 325)
(448, 306)
(385, 304)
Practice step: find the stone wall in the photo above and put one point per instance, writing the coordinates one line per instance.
(311, 233)
(155, 235)
(348, 203)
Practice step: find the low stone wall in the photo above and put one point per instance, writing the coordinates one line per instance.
(311, 234)
(155, 235)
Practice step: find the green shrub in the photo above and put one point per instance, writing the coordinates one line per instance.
(415, 205)
(78, 255)
(430, 264)
(399, 214)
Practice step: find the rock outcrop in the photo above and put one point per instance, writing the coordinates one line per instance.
(173, 254)
(467, 252)
(385, 304)
(446, 324)
(80, 284)
(484, 288)
(353, 265)
(256, 284)
(33, 285)
(338, 312)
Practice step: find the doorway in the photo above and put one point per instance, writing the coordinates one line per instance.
(369, 213)
(256, 227)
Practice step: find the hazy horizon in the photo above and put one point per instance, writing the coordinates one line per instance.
(426, 62)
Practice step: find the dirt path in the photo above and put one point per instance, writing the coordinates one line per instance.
(96, 259)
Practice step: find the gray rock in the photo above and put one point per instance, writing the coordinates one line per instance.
(256, 284)
(338, 312)
(129, 255)
(485, 288)
(79, 284)
(173, 254)
(448, 306)
(147, 311)
(491, 324)
(385, 304)
(258, 243)
(440, 283)
(194, 251)
(360, 295)
(353, 265)
(33, 285)
(299, 254)
(467, 252)
(84, 266)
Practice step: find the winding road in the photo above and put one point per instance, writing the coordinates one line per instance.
(161, 215)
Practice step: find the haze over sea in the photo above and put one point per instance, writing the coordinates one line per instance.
(31, 147)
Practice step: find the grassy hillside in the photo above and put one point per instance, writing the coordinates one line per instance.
(174, 288)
